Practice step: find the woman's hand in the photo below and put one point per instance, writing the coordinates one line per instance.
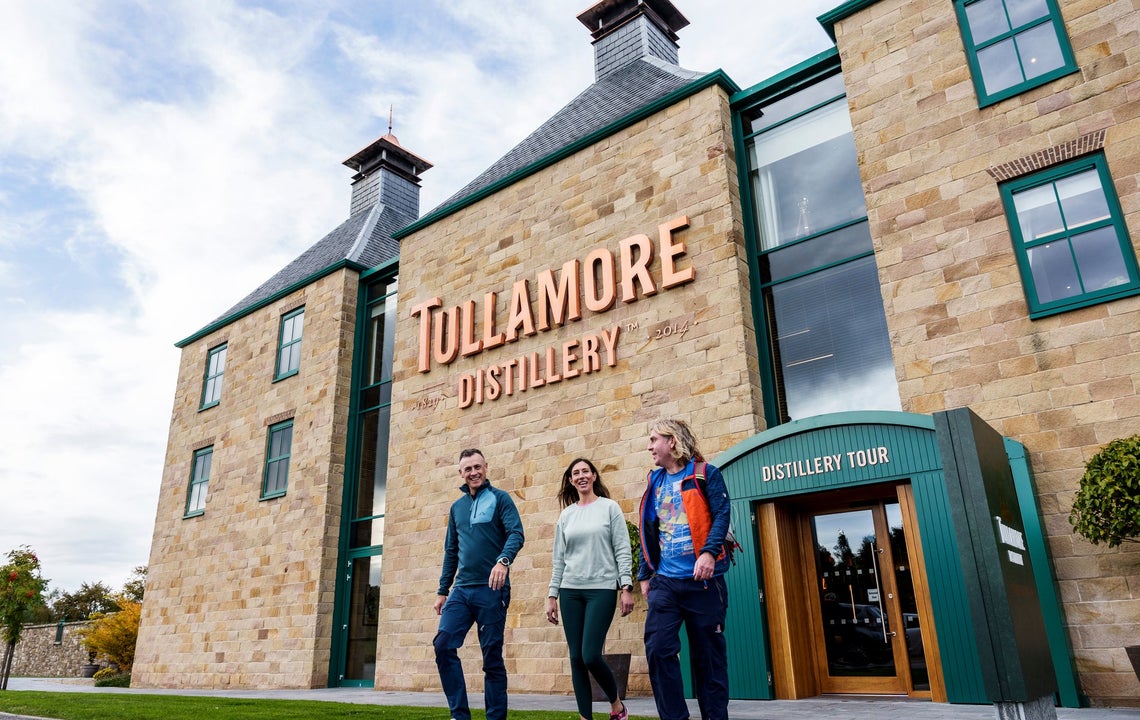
(552, 610)
(625, 600)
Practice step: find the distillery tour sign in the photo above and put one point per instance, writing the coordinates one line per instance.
(583, 286)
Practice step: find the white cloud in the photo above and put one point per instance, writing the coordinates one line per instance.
(183, 152)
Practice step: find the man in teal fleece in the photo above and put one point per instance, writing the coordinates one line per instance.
(484, 534)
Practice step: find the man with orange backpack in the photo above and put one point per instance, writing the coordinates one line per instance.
(686, 548)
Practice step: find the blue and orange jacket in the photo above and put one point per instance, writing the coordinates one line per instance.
(708, 512)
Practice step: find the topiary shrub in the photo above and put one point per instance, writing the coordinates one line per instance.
(1107, 506)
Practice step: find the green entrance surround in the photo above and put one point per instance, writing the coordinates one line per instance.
(846, 450)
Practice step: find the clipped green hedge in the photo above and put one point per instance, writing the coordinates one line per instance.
(112, 678)
(1107, 506)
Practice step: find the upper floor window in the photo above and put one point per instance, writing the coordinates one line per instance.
(278, 451)
(1013, 45)
(1068, 233)
(199, 481)
(289, 346)
(824, 330)
(215, 373)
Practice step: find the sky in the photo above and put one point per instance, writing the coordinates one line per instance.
(160, 160)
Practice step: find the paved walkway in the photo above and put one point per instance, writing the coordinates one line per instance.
(835, 707)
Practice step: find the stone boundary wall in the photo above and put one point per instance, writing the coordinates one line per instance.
(38, 654)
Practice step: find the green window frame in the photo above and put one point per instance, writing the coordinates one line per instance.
(289, 344)
(199, 481)
(278, 451)
(1072, 246)
(215, 374)
(1013, 45)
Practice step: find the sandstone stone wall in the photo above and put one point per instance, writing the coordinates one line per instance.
(38, 654)
(959, 323)
(242, 595)
(688, 351)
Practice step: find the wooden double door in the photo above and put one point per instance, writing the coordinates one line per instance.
(855, 607)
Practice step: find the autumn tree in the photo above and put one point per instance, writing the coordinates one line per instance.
(21, 592)
(112, 636)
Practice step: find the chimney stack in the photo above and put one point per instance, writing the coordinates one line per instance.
(627, 30)
(389, 174)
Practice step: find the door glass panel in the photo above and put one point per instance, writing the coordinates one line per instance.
(851, 594)
(908, 605)
(363, 618)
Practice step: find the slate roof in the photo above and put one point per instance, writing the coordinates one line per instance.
(364, 238)
(367, 236)
(625, 90)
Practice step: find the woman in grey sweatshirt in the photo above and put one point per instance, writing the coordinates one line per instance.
(592, 561)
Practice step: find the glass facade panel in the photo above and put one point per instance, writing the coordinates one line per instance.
(822, 250)
(830, 337)
(827, 340)
(805, 176)
(363, 619)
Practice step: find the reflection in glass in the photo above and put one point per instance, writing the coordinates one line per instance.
(908, 603)
(363, 619)
(855, 623)
(986, 19)
(805, 176)
(372, 477)
(830, 337)
(1065, 267)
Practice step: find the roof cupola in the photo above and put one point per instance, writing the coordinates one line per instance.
(627, 30)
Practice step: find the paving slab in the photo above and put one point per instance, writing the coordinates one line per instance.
(837, 707)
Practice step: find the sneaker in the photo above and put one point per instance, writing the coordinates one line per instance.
(623, 714)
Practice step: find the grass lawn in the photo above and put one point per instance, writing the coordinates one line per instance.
(124, 706)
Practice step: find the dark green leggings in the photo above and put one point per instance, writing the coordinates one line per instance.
(586, 618)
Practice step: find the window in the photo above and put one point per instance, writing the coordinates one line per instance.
(278, 451)
(822, 313)
(215, 372)
(1068, 231)
(199, 481)
(1013, 45)
(289, 346)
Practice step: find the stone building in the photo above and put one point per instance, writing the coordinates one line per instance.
(893, 288)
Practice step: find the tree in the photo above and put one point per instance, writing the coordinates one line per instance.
(135, 585)
(21, 592)
(89, 599)
(112, 636)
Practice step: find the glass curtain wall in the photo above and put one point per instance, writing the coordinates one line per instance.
(821, 309)
(358, 592)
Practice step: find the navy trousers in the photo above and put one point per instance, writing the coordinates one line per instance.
(465, 607)
(701, 607)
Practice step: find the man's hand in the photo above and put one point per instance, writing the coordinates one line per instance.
(704, 566)
(498, 576)
(439, 601)
(644, 588)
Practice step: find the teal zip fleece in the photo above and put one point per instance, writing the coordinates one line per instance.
(480, 530)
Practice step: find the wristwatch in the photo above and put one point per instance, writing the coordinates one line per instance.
(504, 562)
(628, 587)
